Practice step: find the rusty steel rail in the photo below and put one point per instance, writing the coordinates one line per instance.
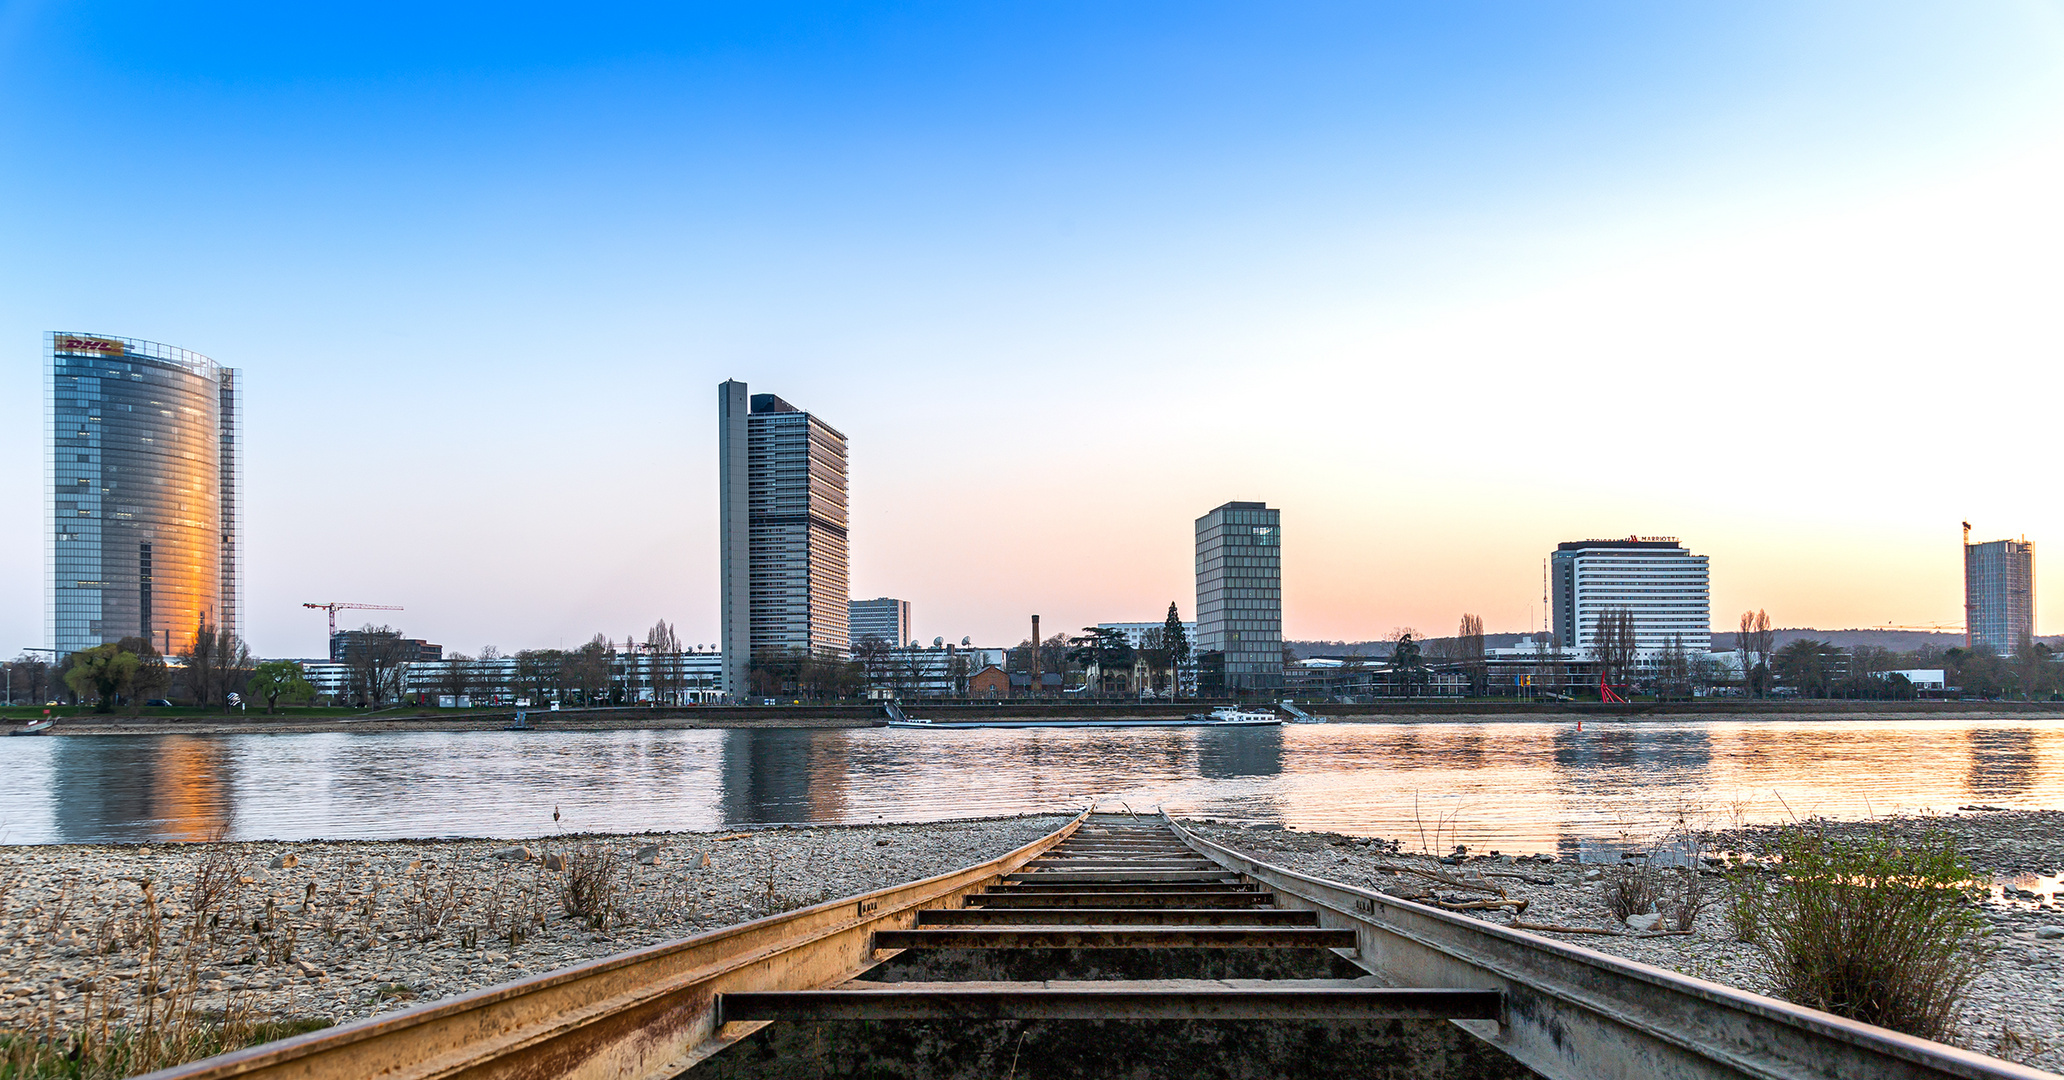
(647, 1013)
(1575, 1014)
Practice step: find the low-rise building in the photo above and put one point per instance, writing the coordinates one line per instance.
(941, 670)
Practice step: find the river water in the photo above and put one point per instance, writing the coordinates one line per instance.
(1515, 787)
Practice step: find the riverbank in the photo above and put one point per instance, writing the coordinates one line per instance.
(2014, 1010)
(327, 932)
(722, 717)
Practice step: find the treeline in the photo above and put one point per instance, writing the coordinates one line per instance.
(215, 667)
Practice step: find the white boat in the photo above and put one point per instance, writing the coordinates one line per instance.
(1223, 716)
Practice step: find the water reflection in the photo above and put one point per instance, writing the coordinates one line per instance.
(176, 788)
(1509, 786)
(2002, 762)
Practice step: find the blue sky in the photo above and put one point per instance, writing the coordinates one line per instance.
(1448, 282)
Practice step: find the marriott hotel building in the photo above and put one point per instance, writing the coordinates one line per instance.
(141, 493)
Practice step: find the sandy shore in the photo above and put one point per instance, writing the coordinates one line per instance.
(336, 931)
(2015, 1010)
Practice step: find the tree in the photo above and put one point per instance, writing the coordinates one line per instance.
(375, 661)
(1753, 641)
(1176, 640)
(489, 679)
(1154, 654)
(217, 662)
(1614, 645)
(28, 678)
(1469, 649)
(1104, 650)
(663, 647)
(1407, 667)
(276, 679)
(589, 669)
(537, 673)
(1811, 667)
(103, 673)
(1674, 669)
(455, 676)
(152, 677)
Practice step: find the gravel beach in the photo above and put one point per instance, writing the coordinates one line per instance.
(334, 931)
(2015, 1010)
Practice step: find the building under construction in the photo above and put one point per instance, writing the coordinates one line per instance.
(1999, 593)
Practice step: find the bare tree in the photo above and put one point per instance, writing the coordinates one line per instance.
(456, 676)
(1469, 649)
(374, 660)
(217, 663)
(663, 647)
(1614, 645)
(1754, 643)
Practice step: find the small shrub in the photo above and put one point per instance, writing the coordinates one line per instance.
(1631, 888)
(1880, 929)
(593, 890)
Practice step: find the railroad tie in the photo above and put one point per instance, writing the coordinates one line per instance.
(1113, 886)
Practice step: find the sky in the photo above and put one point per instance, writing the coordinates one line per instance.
(1447, 283)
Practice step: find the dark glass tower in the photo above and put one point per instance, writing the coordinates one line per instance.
(142, 493)
(1240, 596)
(782, 507)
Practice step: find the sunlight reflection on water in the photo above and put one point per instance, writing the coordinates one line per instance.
(1516, 787)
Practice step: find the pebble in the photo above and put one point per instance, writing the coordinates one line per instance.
(360, 947)
(2014, 1009)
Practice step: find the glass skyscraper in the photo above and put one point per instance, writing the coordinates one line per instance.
(142, 493)
(1999, 595)
(1240, 597)
(782, 504)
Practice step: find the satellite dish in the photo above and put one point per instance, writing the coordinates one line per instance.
(938, 642)
(965, 641)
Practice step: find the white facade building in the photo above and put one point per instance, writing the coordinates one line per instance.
(1666, 589)
(939, 671)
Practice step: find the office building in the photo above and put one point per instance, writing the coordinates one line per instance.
(884, 619)
(782, 501)
(1239, 638)
(1665, 588)
(1136, 632)
(141, 493)
(1999, 594)
(347, 646)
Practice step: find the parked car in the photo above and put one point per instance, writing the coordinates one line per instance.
(159, 703)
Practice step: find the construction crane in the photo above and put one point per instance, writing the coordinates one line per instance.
(334, 608)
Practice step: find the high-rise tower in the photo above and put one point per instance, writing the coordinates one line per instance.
(1664, 587)
(1239, 642)
(142, 493)
(1999, 594)
(782, 504)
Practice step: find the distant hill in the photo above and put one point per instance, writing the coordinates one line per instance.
(1904, 641)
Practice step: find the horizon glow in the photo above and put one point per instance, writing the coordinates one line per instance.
(1447, 286)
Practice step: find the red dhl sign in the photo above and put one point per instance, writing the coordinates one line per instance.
(94, 345)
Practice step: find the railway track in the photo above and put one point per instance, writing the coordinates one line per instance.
(1115, 945)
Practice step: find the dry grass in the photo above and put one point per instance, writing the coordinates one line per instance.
(155, 1021)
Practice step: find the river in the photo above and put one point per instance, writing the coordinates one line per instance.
(1515, 787)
